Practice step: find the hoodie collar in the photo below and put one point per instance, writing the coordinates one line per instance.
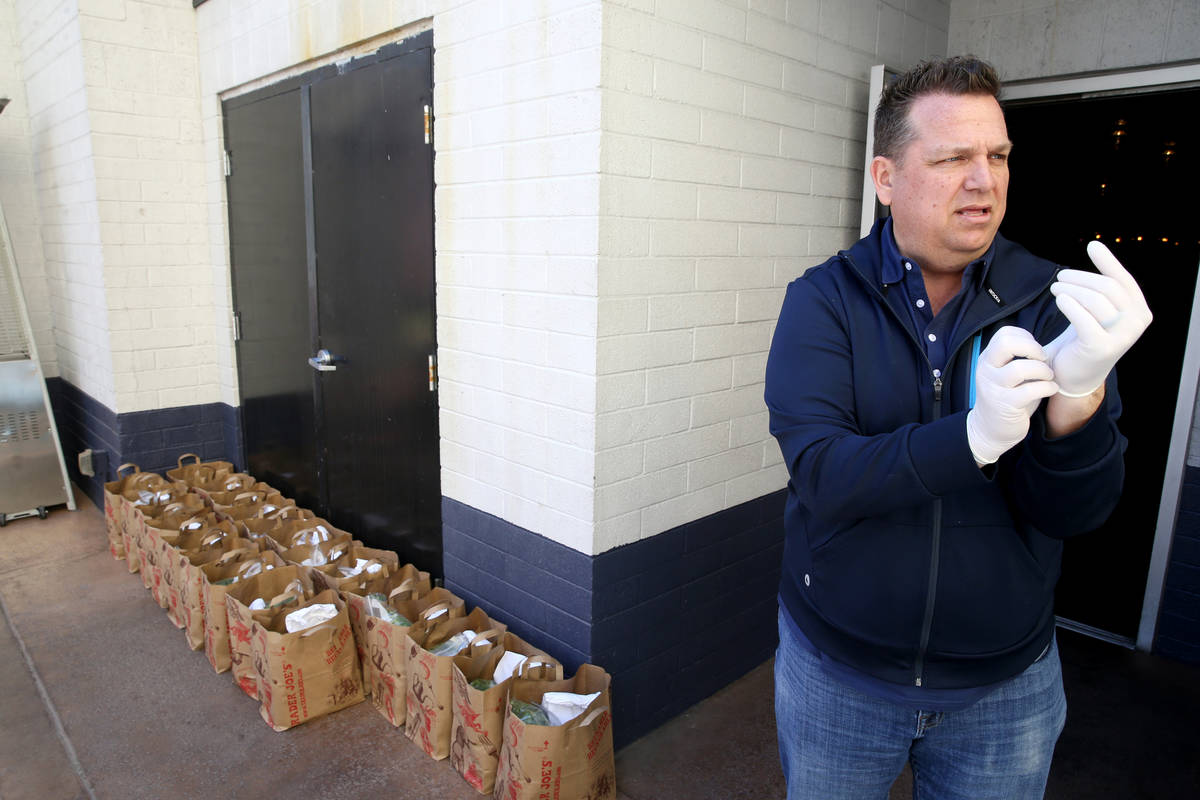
(892, 267)
(1012, 271)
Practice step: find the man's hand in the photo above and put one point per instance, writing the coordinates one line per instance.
(1010, 381)
(1107, 313)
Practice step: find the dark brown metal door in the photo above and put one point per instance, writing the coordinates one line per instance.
(373, 200)
(364, 284)
(270, 291)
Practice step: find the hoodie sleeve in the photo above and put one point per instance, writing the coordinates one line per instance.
(1070, 485)
(839, 473)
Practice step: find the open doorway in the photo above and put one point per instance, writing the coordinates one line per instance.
(1121, 168)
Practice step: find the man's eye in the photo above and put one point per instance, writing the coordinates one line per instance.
(999, 156)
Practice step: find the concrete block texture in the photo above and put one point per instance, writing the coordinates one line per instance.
(759, 109)
(1062, 37)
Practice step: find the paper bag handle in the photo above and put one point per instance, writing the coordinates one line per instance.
(193, 522)
(235, 482)
(136, 468)
(233, 555)
(187, 455)
(484, 637)
(583, 722)
(406, 585)
(435, 610)
(271, 511)
(247, 498)
(284, 595)
(534, 660)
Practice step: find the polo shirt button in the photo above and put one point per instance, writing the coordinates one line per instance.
(807, 580)
(932, 337)
(920, 304)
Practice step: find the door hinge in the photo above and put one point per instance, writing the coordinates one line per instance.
(428, 125)
(433, 376)
(228, 165)
(237, 326)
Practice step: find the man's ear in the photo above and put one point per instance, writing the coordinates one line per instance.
(882, 169)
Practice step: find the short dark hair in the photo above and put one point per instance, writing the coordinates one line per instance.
(954, 75)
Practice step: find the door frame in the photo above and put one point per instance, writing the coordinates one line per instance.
(1134, 81)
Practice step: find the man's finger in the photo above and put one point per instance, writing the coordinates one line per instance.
(1098, 304)
(1108, 264)
(1087, 327)
(1023, 370)
(1011, 342)
(1028, 394)
(1063, 339)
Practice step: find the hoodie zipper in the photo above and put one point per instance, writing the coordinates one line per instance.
(938, 388)
(935, 549)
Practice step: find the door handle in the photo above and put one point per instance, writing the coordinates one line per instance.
(324, 361)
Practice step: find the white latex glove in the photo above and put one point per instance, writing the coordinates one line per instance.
(1011, 378)
(1107, 312)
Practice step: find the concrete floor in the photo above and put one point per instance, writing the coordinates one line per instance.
(102, 698)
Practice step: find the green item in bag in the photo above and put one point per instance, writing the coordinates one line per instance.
(483, 684)
(377, 606)
(530, 713)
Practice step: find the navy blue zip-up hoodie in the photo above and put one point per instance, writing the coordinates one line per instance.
(903, 558)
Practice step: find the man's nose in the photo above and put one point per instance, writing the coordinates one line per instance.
(980, 177)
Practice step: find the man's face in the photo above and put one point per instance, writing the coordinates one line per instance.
(947, 190)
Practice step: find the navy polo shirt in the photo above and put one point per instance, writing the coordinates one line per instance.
(904, 275)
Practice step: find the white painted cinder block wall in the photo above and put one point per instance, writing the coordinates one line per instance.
(114, 135)
(731, 161)
(1035, 38)
(51, 66)
(140, 71)
(18, 191)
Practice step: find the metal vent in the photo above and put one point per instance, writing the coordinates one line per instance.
(13, 343)
(21, 426)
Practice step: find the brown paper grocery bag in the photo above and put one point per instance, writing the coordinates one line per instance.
(415, 607)
(319, 554)
(175, 549)
(563, 762)
(296, 530)
(382, 643)
(216, 582)
(138, 504)
(173, 499)
(478, 714)
(428, 715)
(352, 565)
(245, 503)
(282, 587)
(228, 551)
(114, 504)
(209, 483)
(188, 510)
(196, 471)
(308, 673)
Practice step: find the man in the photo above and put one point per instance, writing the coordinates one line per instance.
(946, 408)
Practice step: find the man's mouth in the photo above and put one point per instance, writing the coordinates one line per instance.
(975, 212)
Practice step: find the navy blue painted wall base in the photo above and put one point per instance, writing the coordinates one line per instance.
(153, 440)
(1178, 634)
(672, 618)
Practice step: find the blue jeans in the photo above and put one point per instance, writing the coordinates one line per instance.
(836, 742)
